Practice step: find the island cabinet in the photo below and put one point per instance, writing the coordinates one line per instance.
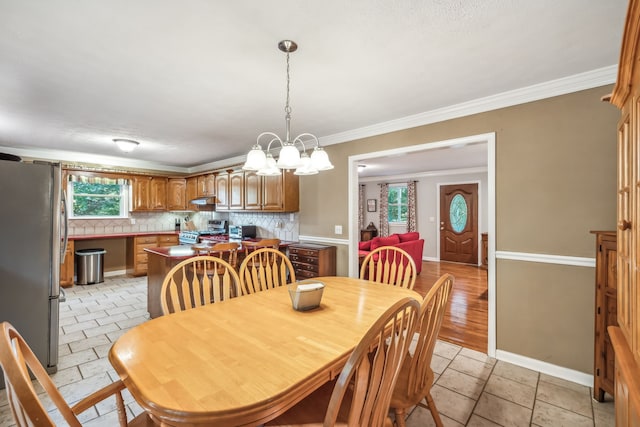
(605, 313)
(626, 336)
(312, 260)
(137, 260)
(177, 194)
(67, 268)
(149, 193)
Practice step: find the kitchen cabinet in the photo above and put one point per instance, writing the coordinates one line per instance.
(222, 191)
(281, 193)
(252, 191)
(605, 313)
(177, 194)
(192, 192)
(137, 261)
(312, 260)
(148, 193)
(236, 190)
(67, 269)
(626, 336)
(206, 185)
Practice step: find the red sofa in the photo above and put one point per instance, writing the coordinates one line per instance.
(409, 242)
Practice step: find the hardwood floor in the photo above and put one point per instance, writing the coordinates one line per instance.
(465, 321)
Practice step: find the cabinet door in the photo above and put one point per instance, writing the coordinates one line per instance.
(177, 194)
(222, 191)
(625, 275)
(192, 192)
(66, 270)
(140, 197)
(236, 190)
(252, 191)
(210, 185)
(158, 194)
(273, 199)
(202, 186)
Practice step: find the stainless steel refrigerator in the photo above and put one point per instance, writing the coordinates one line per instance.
(32, 243)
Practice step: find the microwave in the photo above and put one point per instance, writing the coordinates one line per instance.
(242, 231)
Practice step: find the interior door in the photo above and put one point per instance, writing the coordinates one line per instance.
(459, 223)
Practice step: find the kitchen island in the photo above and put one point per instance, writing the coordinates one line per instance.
(162, 259)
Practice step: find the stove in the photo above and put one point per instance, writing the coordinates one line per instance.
(217, 226)
(192, 236)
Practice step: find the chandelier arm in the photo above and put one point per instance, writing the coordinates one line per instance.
(274, 138)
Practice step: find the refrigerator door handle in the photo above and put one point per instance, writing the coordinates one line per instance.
(65, 221)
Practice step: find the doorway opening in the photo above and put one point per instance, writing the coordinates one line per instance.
(489, 139)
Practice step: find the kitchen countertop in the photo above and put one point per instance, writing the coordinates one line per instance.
(185, 251)
(117, 235)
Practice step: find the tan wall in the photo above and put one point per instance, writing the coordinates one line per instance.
(115, 258)
(555, 181)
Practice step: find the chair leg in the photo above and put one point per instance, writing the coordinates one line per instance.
(433, 410)
(401, 414)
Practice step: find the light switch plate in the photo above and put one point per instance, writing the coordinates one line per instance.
(338, 229)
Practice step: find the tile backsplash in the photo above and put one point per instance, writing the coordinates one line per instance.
(283, 226)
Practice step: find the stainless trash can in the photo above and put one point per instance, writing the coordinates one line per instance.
(90, 266)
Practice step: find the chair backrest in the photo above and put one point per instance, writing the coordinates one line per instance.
(17, 360)
(251, 246)
(373, 367)
(389, 265)
(197, 281)
(264, 269)
(226, 251)
(416, 375)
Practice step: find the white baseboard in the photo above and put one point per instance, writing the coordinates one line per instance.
(546, 368)
(115, 273)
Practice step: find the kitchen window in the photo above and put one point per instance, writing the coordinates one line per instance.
(98, 199)
(397, 204)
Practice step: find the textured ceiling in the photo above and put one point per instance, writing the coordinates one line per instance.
(197, 81)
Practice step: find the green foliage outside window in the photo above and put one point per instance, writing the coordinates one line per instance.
(97, 200)
(397, 200)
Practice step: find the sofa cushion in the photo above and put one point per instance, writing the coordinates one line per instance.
(364, 246)
(392, 240)
(407, 237)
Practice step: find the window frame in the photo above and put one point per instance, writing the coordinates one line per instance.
(399, 204)
(124, 203)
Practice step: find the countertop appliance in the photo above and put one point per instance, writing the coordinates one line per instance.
(33, 225)
(242, 231)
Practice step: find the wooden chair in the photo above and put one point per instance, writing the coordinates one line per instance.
(361, 394)
(17, 359)
(264, 269)
(226, 251)
(416, 376)
(198, 281)
(389, 265)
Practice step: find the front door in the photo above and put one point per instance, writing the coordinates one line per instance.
(459, 223)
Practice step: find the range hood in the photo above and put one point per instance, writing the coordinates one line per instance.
(205, 203)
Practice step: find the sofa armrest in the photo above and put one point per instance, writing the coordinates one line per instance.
(414, 248)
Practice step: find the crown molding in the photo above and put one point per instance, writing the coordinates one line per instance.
(587, 80)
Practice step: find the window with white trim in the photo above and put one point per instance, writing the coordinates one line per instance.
(397, 204)
(97, 200)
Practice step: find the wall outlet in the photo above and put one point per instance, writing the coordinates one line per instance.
(133, 221)
(338, 229)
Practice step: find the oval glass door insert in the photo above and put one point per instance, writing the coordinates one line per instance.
(458, 213)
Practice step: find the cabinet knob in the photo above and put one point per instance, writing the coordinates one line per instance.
(624, 225)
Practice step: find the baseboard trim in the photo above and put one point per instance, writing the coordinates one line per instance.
(114, 273)
(546, 368)
(329, 240)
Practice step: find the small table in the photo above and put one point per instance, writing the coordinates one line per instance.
(367, 234)
(246, 360)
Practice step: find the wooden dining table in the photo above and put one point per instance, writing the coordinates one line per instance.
(244, 361)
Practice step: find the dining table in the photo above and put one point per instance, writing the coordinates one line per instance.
(246, 360)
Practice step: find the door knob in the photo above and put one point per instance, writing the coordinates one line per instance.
(624, 225)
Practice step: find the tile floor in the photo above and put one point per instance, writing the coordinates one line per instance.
(471, 389)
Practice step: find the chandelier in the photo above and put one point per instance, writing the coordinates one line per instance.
(289, 157)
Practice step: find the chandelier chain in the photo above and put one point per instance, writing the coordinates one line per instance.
(287, 108)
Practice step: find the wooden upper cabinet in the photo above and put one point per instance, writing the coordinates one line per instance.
(206, 185)
(281, 193)
(158, 193)
(191, 192)
(149, 193)
(177, 194)
(252, 191)
(236, 190)
(222, 191)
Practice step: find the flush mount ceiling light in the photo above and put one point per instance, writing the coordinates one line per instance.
(126, 145)
(289, 157)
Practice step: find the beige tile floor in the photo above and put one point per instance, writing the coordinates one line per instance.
(471, 389)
